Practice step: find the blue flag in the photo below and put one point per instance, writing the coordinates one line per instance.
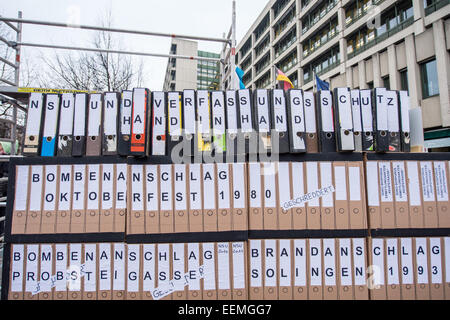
(322, 85)
(240, 74)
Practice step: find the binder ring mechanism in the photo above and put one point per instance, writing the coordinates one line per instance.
(328, 135)
(126, 137)
(49, 139)
(31, 138)
(383, 133)
(77, 138)
(138, 137)
(346, 132)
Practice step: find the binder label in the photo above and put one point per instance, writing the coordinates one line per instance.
(95, 114)
(79, 122)
(356, 110)
(366, 110)
(378, 262)
(310, 112)
(441, 181)
(245, 111)
(93, 186)
(195, 200)
(354, 183)
(414, 185)
(285, 263)
(203, 111)
(148, 267)
(427, 181)
(218, 112)
(239, 195)
(166, 187)
(36, 188)
(406, 256)
(345, 262)
(421, 260)
(385, 181)
(174, 111)
(209, 282)
(180, 187)
(20, 202)
(382, 109)
(110, 122)
(262, 105)
(404, 105)
(223, 261)
(137, 201)
(279, 109)
(51, 115)
(435, 260)
(46, 272)
(345, 109)
(193, 266)
(209, 191)
(398, 169)
(104, 268)
(133, 265)
(107, 186)
(17, 275)
(65, 185)
(326, 111)
(326, 181)
(359, 264)
(372, 183)
(298, 188)
(392, 106)
(61, 258)
(189, 111)
(231, 111)
(255, 263)
(50, 187)
(312, 182)
(139, 105)
(340, 180)
(269, 185)
(178, 265)
(34, 114)
(121, 186)
(31, 271)
(223, 186)
(392, 261)
(255, 184)
(300, 262)
(90, 267)
(315, 262)
(125, 114)
(66, 117)
(238, 265)
(329, 261)
(270, 265)
(119, 267)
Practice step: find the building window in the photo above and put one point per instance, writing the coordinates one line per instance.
(428, 73)
(404, 79)
(370, 85)
(386, 83)
(172, 87)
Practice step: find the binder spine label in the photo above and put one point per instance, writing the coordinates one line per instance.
(159, 124)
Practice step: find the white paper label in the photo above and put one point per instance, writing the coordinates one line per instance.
(79, 122)
(297, 117)
(329, 261)
(359, 261)
(231, 111)
(326, 181)
(31, 272)
(178, 265)
(107, 185)
(366, 110)
(385, 181)
(413, 185)
(441, 181)
(255, 184)
(110, 117)
(151, 178)
(279, 110)
(148, 267)
(312, 181)
(20, 202)
(159, 114)
(66, 115)
(310, 112)
(133, 267)
(381, 109)
(223, 186)
(298, 188)
(137, 192)
(404, 110)
(119, 266)
(17, 275)
(354, 182)
(65, 187)
(203, 111)
(195, 200)
(166, 186)
(356, 110)
(104, 268)
(345, 262)
(61, 258)
(284, 188)
(255, 263)
(238, 265)
(262, 105)
(427, 181)
(34, 114)
(90, 267)
(180, 186)
(51, 177)
(421, 260)
(126, 106)
(209, 282)
(223, 263)
(315, 262)
(300, 263)
(36, 188)
(340, 181)
(189, 111)
(378, 262)
(239, 191)
(193, 257)
(326, 111)
(95, 114)
(345, 109)
(269, 185)
(285, 263)
(270, 265)
(245, 110)
(406, 256)
(392, 106)
(209, 189)
(93, 186)
(51, 115)
(174, 113)
(435, 260)
(218, 107)
(121, 185)
(75, 267)
(139, 105)
(398, 170)
(392, 261)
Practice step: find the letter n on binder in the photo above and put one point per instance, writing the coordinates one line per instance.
(33, 131)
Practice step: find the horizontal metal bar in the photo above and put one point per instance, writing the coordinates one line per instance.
(10, 25)
(8, 62)
(13, 102)
(162, 55)
(8, 43)
(8, 82)
(87, 27)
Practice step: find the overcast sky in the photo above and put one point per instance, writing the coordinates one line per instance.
(209, 18)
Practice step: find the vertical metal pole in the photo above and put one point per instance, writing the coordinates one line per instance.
(234, 85)
(16, 81)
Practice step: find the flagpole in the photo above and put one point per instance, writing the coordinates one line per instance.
(314, 81)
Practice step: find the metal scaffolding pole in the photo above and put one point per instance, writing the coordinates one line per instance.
(16, 80)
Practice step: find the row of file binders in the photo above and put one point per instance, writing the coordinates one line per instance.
(143, 123)
(268, 269)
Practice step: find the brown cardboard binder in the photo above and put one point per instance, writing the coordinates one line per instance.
(133, 273)
(181, 219)
(93, 198)
(148, 270)
(119, 271)
(34, 216)
(255, 256)
(400, 194)
(414, 195)
(359, 263)
(104, 262)
(107, 198)
(408, 289)
(239, 196)
(178, 271)
(224, 185)
(312, 206)
(89, 272)
(315, 290)
(447, 267)
(136, 218)
(193, 263)
(48, 223)
(270, 215)
(19, 216)
(239, 271)
(436, 259)
(421, 270)
(386, 195)
(392, 269)
(166, 219)
(61, 259)
(64, 199)
(17, 272)
(78, 215)
(344, 269)
(297, 183)
(300, 287)
(209, 280)
(285, 269)
(442, 201)
(376, 273)
(357, 207)
(428, 193)
(284, 196)
(326, 201)
(32, 260)
(152, 197)
(255, 204)
(46, 258)
(373, 195)
(164, 272)
(224, 254)
(270, 270)
(341, 199)
(331, 287)
(75, 291)
(209, 198)
(120, 202)
(195, 198)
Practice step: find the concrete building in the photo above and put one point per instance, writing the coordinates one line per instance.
(362, 44)
(190, 74)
